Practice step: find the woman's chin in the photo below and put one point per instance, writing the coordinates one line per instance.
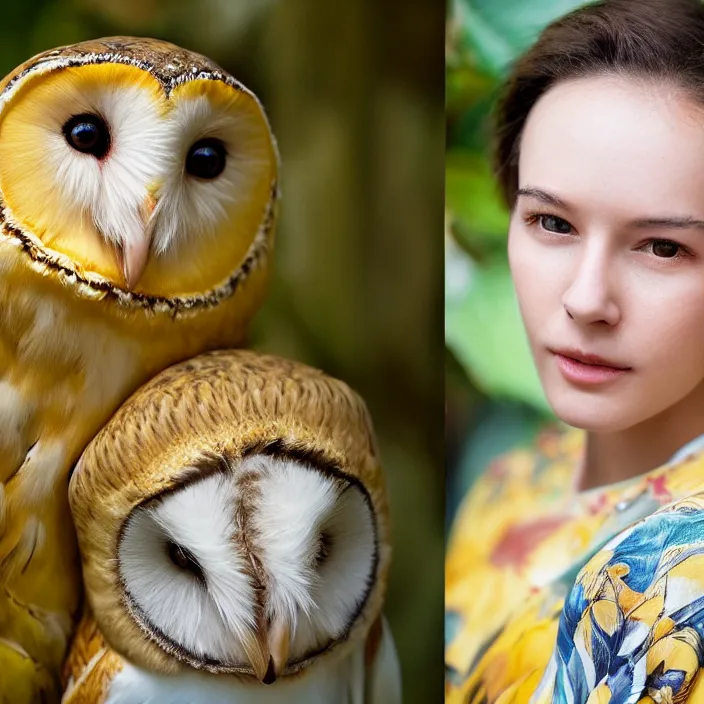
(593, 414)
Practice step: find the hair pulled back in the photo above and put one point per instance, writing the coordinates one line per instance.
(654, 39)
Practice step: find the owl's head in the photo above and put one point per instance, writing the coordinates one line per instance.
(135, 163)
(234, 513)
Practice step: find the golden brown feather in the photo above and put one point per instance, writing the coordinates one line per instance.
(90, 666)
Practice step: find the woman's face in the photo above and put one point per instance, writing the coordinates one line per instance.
(606, 247)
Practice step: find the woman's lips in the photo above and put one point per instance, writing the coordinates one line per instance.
(587, 369)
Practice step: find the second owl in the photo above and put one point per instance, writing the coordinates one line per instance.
(233, 525)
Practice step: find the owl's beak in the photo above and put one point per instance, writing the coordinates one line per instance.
(268, 651)
(257, 651)
(133, 255)
(133, 261)
(279, 644)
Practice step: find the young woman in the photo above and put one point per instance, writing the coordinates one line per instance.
(576, 569)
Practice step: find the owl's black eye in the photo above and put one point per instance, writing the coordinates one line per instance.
(88, 134)
(184, 559)
(324, 547)
(206, 158)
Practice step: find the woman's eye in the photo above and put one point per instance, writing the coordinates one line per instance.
(88, 134)
(206, 158)
(665, 249)
(552, 223)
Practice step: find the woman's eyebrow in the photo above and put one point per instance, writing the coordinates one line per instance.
(666, 221)
(544, 196)
(679, 223)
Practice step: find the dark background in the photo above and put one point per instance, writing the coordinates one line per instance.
(354, 90)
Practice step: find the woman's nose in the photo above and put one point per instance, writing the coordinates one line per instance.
(590, 297)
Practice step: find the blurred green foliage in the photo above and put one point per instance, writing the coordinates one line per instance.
(497, 400)
(483, 329)
(354, 92)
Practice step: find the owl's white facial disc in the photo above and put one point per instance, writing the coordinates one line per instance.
(315, 537)
(149, 190)
(107, 186)
(253, 569)
(179, 566)
(191, 206)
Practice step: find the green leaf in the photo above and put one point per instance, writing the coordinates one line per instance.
(472, 196)
(469, 126)
(465, 88)
(483, 328)
(495, 32)
(491, 50)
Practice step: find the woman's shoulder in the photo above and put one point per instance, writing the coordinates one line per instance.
(524, 484)
(544, 468)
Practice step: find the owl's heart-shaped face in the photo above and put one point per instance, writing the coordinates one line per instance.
(158, 190)
(258, 569)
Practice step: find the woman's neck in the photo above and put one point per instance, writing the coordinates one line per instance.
(617, 456)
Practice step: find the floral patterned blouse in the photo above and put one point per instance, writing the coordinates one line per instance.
(594, 596)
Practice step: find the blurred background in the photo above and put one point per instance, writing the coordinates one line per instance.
(493, 397)
(354, 91)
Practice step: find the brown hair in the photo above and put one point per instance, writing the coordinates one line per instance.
(657, 39)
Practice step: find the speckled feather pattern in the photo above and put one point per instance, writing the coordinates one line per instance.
(168, 63)
(221, 404)
(94, 287)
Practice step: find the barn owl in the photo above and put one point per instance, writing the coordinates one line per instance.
(138, 195)
(234, 533)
